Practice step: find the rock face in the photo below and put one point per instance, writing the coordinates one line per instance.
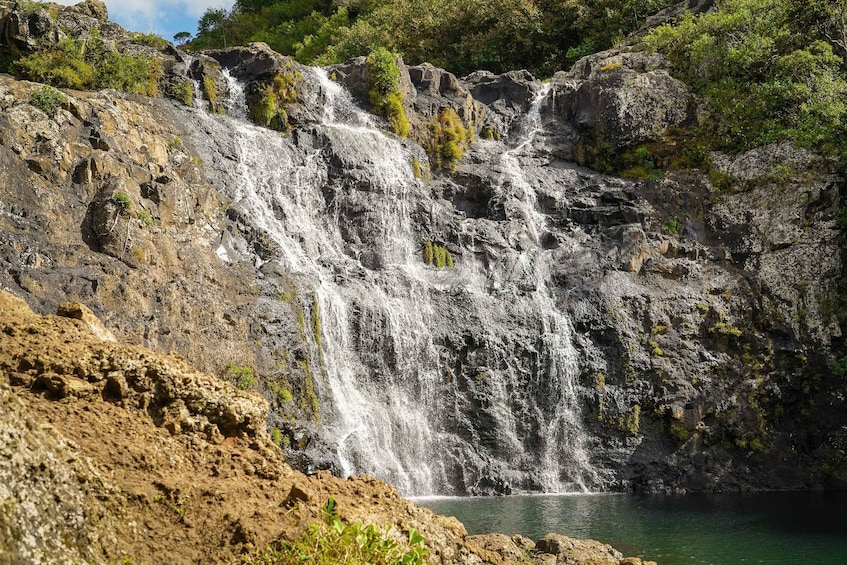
(114, 452)
(593, 332)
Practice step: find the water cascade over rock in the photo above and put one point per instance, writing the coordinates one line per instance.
(439, 380)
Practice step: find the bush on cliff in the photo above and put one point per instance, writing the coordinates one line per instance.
(384, 93)
(87, 64)
(497, 35)
(769, 70)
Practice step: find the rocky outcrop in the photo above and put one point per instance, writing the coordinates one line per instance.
(114, 452)
(620, 99)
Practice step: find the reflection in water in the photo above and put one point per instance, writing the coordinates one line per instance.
(725, 529)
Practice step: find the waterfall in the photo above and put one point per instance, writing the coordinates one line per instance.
(440, 381)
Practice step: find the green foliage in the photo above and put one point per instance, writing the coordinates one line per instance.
(632, 421)
(437, 255)
(448, 139)
(87, 64)
(150, 40)
(679, 433)
(263, 108)
(47, 99)
(276, 436)
(122, 201)
(768, 70)
(174, 144)
(384, 92)
(672, 226)
(497, 35)
(146, 218)
(184, 92)
(210, 91)
(182, 37)
(243, 376)
(331, 542)
(490, 132)
(267, 105)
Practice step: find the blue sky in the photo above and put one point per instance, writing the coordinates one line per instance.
(159, 16)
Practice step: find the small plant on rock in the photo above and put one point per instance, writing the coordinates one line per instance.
(242, 375)
(332, 541)
(47, 99)
(122, 201)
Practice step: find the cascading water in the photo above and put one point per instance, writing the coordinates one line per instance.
(441, 381)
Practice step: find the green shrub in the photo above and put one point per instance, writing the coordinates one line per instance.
(672, 226)
(384, 92)
(150, 40)
(632, 421)
(267, 107)
(679, 433)
(490, 132)
(78, 64)
(146, 218)
(122, 201)
(242, 376)
(766, 73)
(174, 144)
(332, 542)
(47, 99)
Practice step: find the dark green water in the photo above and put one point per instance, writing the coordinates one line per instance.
(722, 529)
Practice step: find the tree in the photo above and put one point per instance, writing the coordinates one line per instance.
(182, 37)
(213, 21)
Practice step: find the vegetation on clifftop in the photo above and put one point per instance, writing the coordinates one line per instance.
(769, 70)
(540, 35)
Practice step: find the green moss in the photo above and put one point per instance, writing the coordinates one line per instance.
(309, 398)
(184, 92)
(210, 91)
(726, 329)
(316, 322)
(437, 256)
(448, 139)
(679, 433)
(490, 132)
(631, 422)
(276, 436)
(263, 108)
(267, 105)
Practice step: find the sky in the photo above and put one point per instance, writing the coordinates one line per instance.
(162, 17)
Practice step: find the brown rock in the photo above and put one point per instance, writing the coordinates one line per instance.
(81, 312)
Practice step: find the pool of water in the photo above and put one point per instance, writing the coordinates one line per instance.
(808, 528)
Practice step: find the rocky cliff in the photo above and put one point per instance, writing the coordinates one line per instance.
(514, 320)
